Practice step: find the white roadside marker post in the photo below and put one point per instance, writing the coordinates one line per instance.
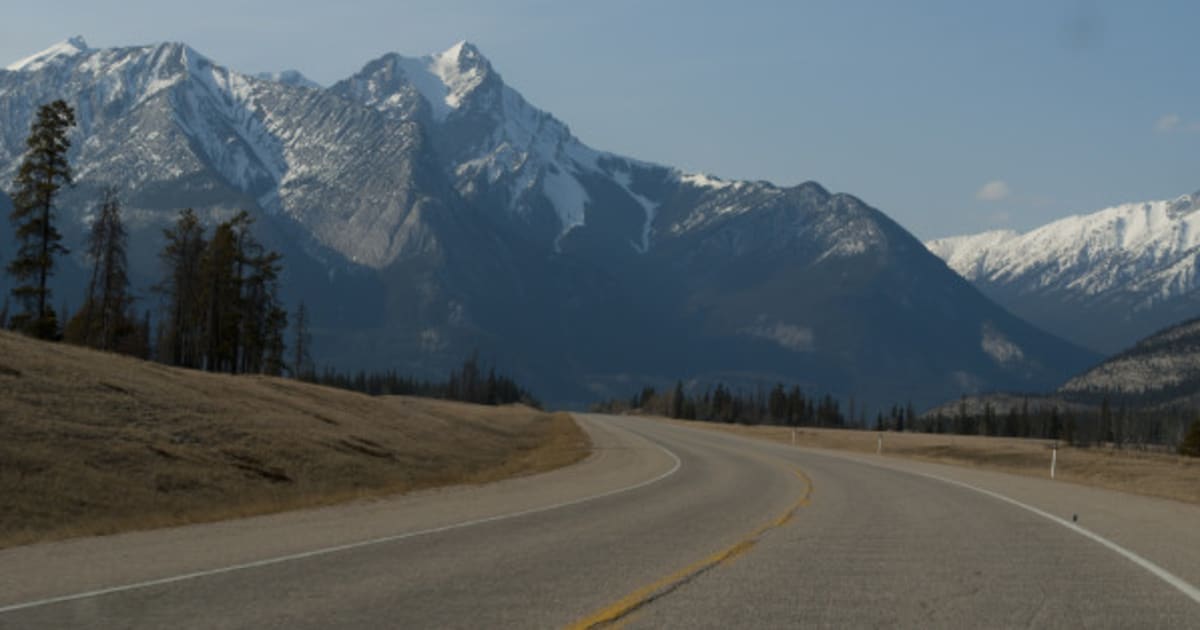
(879, 446)
(793, 437)
(1053, 460)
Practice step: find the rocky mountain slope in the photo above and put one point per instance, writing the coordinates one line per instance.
(1162, 368)
(426, 209)
(1103, 280)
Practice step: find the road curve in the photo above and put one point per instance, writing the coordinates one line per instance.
(664, 526)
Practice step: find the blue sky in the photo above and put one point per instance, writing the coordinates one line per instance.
(949, 116)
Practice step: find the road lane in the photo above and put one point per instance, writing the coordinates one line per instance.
(542, 569)
(871, 542)
(886, 544)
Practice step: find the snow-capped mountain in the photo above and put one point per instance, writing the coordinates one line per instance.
(1102, 280)
(427, 209)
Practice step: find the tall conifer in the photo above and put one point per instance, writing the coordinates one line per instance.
(43, 172)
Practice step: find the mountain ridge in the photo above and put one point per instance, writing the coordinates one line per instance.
(426, 222)
(1103, 280)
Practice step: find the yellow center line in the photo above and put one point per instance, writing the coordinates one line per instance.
(617, 611)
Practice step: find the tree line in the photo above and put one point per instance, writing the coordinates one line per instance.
(1176, 428)
(472, 382)
(779, 406)
(223, 311)
(1120, 426)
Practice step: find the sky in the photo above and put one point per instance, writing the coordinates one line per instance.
(951, 117)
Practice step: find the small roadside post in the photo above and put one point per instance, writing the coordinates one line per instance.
(1053, 459)
(879, 446)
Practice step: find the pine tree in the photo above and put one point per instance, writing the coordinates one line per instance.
(1190, 446)
(180, 340)
(301, 341)
(675, 405)
(221, 298)
(43, 172)
(105, 321)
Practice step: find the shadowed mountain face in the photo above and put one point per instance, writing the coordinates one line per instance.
(426, 210)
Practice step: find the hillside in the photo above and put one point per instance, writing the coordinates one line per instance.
(92, 443)
(426, 209)
(1162, 369)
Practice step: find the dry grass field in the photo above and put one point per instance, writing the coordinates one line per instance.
(1154, 474)
(93, 443)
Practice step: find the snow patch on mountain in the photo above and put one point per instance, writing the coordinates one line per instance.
(569, 198)
(625, 179)
(700, 180)
(787, 336)
(289, 77)
(61, 50)
(445, 79)
(999, 348)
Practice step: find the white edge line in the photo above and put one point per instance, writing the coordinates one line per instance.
(339, 548)
(1159, 572)
(1170, 578)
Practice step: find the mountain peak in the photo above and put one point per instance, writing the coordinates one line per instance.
(443, 80)
(289, 77)
(461, 68)
(68, 48)
(462, 50)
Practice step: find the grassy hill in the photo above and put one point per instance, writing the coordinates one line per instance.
(94, 443)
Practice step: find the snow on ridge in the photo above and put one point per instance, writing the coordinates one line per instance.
(289, 77)
(1128, 245)
(700, 180)
(68, 48)
(459, 80)
(968, 254)
(444, 79)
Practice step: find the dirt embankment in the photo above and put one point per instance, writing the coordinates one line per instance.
(93, 443)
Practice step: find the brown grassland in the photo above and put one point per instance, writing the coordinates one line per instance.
(94, 443)
(1161, 475)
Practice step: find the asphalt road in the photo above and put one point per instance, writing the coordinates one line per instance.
(664, 526)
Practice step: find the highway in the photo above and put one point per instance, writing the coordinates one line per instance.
(665, 525)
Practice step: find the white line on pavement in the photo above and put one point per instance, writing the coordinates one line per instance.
(339, 548)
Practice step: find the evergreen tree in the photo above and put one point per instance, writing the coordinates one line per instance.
(180, 339)
(221, 299)
(42, 173)
(1190, 445)
(676, 402)
(301, 346)
(106, 320)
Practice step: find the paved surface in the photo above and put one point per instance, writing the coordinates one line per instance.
(665, 526)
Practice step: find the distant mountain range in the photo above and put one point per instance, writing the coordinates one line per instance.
(1102, 280)
(426, 210)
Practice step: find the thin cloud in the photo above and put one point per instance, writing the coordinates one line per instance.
(995, 190)
(1167, 122)
(1174, 123)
